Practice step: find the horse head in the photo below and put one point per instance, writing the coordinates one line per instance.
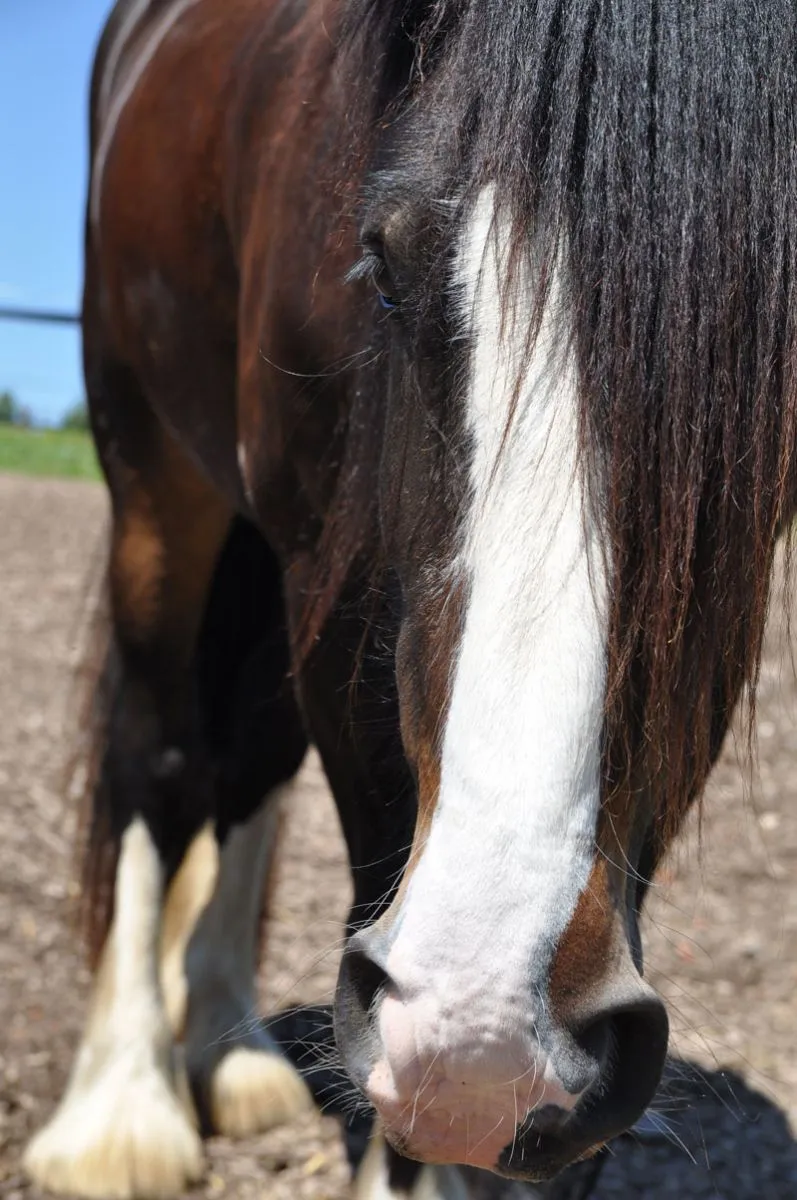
(580, 484)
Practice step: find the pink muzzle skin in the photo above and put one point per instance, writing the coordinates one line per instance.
(464, 1102)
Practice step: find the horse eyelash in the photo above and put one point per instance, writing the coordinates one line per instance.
(364, 268)
(367, 268)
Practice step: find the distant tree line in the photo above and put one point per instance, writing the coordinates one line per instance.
(12, 412)
(76, 418)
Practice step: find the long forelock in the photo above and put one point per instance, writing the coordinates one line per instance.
(653, 146)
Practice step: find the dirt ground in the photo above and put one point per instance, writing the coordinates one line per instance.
(721, 936)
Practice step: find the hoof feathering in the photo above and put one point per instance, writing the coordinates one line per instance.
(133, 1142)
(253, 1091)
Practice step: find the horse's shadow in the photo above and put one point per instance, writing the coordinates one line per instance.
(708, 1136)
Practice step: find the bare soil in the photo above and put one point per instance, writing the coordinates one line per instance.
(721, 936)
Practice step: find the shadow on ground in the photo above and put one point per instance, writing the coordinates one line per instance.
(717, 1138)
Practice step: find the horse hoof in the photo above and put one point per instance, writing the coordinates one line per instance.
(118, 1140)
(253, 1090)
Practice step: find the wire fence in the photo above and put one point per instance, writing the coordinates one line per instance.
(38, 316)
(42, 315)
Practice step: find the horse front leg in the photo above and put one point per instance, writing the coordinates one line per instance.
(241, 1081)
(124, 1127)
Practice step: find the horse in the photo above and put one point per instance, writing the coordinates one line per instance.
(453, 346)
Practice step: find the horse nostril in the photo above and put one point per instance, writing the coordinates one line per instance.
(629, 1043)
(361, 980)
(596, 1039)
(622, 1049)
(639, 1037)
(366, 978)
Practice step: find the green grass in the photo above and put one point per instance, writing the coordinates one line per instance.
(50, 452)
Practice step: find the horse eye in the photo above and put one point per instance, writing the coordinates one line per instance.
(383, 284)
(372, 266)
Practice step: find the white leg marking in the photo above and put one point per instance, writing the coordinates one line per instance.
(512, 839)
(250, 1087)
(120, 1131)
(115, 105)
(433, 1183)
(189, 894)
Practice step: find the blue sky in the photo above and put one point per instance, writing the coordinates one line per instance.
(46, 48)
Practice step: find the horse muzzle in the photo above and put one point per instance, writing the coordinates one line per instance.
(489, 1078)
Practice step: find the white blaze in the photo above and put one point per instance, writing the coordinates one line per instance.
(512, 840)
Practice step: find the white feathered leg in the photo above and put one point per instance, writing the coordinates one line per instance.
(189, 894)
(246, 1084)
(120, 1131)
